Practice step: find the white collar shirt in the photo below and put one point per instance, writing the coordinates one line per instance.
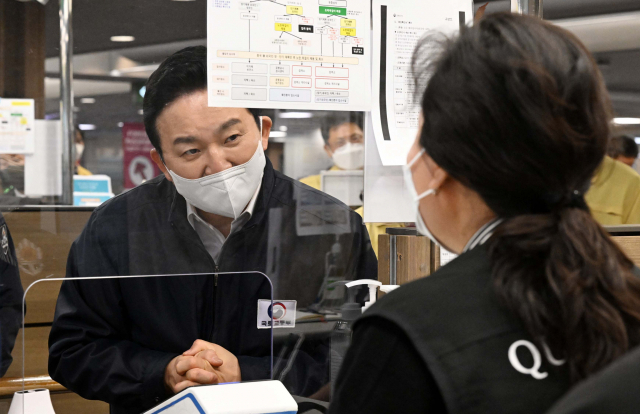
(210, 236)
(482, 235)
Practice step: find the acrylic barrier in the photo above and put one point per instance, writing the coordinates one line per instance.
(134, 341)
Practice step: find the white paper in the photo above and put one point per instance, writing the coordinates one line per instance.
(43, 168)
(397, 27)
(17, 130)
(446, 256)
(386, 197)
(289, 54)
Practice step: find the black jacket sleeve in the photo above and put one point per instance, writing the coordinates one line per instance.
(383, 373)
(90, 351)
(10, 297)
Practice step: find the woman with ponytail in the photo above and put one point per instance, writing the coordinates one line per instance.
(515, 121)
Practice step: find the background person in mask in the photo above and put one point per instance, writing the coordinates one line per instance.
(343, 141)
(219, 206)
(80, 145)
(614, 195)
(540, 296)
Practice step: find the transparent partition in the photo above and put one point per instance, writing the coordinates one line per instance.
(316, 246)
(308, 357)
(134, 341)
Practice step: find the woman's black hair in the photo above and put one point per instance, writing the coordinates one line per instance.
(515, 109)
(180, 74)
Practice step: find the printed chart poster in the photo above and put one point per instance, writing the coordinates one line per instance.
(138, 165)
(17, 126)
(398, 25)
(290, 54)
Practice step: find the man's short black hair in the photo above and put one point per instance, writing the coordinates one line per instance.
(180, 74)
(622, 145)
(336, 119)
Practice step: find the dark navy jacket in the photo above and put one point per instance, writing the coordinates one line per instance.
(10, 297)
(111, 340)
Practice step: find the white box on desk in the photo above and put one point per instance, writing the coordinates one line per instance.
(258, 397)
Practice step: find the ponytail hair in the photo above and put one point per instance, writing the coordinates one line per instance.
(570, 284)
(515, 109)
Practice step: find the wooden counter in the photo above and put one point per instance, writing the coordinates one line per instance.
(43, 237)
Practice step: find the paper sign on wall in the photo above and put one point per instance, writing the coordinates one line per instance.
(43, 168)
(17, 126)
(398, 25)
(289, 54)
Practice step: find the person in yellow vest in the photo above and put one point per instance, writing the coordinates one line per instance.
(79, 139)
(614, 196)
(624, 149)
(344, 142)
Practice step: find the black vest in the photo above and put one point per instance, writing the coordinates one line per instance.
(465, 338)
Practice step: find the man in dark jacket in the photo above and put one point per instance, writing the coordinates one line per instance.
(219, 207)
(10, 297)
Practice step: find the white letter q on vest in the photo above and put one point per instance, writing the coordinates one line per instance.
(534, 371)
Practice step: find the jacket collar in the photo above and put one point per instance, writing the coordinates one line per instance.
(178, 211)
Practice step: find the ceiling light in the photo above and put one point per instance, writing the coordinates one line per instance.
(295, 115)
(87, 127)
(626, 121)
(277, 134)
(122, 38)
(134, 70)
(88, 100)
(284, 128)
(120, 124)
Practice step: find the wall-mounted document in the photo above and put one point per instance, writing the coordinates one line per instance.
(17, 126)
(43, 168)
(398, 25)
(289, 54)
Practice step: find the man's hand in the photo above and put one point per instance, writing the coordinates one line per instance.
(204, 363)
(224, 363)
(186, 371)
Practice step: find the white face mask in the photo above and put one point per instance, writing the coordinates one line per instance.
(79, 151)
(349, 156)
(228, 192)
(408, 179)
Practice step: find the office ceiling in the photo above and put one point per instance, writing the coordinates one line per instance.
(151, 22)
(154, 22)
(566, 9)
(161, 27)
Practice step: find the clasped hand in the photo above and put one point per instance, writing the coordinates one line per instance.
(203, 363)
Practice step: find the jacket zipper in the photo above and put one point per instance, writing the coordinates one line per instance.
(215, 284)
(209, 335)
(216, 270)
